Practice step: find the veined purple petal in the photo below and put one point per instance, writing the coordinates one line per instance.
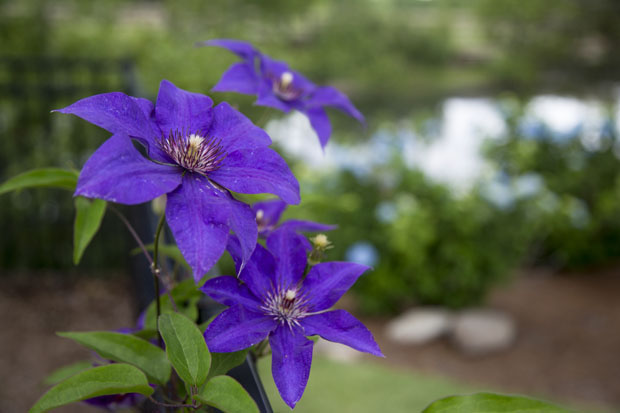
(199, 221)
(242, 49)
(290, 363)
(290, 254)
(257, 171)
(327, 282)
(260, 272)
(329, 96)
(306, 226)
(177, 110)
(117, 172)
(237, 328)
(320, 123)
(235, 130)
(229, 291)
(240, 77)
(115, 112)
(341, 327)
(243, 223)
(118, 113)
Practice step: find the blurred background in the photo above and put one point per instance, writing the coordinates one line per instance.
(484, 191)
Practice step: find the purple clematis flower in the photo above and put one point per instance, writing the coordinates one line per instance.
(273, 299)
(268, 215)
(278, 86)
(197, 153)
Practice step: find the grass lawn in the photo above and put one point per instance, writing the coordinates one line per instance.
(362, 387)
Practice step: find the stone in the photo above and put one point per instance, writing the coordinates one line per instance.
(419, 325)
(337, 351)
(482, 331)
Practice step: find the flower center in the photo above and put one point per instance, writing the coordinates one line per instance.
(286, 306)
(283, 87)
(194, 152)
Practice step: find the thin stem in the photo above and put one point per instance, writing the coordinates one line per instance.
(132, 232)
(170, 405)
(155, 270)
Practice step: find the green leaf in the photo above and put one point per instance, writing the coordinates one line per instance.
(226, 394)
(185, 294)
(46, 177)
(65, 372)
(185, 347)
(221, 363)
(491, 403)
(88, 216)
(98, 381)
(126, 348)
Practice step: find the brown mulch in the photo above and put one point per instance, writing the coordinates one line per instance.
(567, 349)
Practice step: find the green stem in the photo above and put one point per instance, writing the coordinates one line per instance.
(155, 271)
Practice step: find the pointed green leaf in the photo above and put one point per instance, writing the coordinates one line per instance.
(126, 348)
(185, 347)
(46, 177)
(98, 381)
(67, 371)
(88, 216)
(227, 395)
(221, 363)
(491, 403)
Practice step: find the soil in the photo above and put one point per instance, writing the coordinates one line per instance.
(567, 347)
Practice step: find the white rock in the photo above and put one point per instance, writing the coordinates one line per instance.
(419, 325)
(336, 351)
(482, 331)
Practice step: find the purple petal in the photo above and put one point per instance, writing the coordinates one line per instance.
(243, 223)
(266, 97)
(271, 212)
(117, 172)
(242, 49)
(198, 219)
(320, 123)
(237, 328)
(290, 363)
(257, 171)
(235, 130)
(328, 281)
(341, 327)
(329, 96)
(289, 251)
(273, 69)
(118, 113)
(306, 226)
(229, 291)
(260, 272)
(180, 111)
(240, 77)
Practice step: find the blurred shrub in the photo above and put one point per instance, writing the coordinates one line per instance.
(577, 209)
(432, 246)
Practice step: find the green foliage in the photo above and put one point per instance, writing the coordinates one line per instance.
(185, 296)
(227, 395)
(185, 347)
(491, 403)
(46, 177)
(126, 348)
(98, 381)
(65, 372)
(88, 216)
(221, 363)
(434, 247)
(576, 213)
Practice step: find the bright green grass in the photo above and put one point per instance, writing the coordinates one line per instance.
(362, 387)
